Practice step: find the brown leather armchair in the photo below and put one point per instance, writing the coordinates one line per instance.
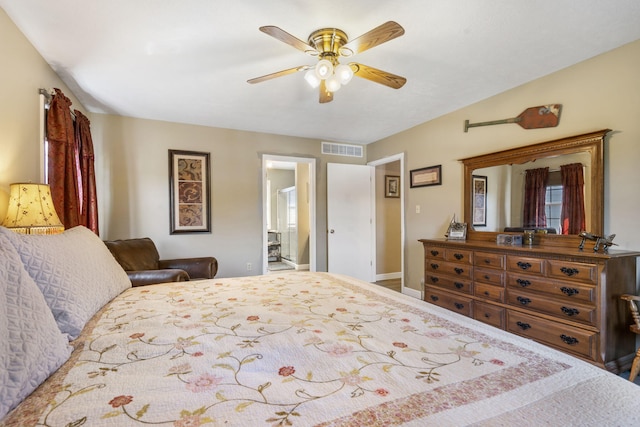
(140, 259)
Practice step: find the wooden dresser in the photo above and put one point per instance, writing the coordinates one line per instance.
(564, 298)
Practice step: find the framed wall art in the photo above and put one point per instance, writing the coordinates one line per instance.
(479, 202)
(423, 177)
(189, 192)
(391, 186)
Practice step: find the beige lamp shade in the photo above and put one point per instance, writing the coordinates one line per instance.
(31, 210)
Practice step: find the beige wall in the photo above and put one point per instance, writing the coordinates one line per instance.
(600, 93)
(22, 73)
(133, 187)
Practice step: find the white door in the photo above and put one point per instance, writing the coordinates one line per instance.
(350, 243)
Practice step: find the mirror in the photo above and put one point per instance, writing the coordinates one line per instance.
(499, 177)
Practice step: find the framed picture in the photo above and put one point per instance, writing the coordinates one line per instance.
(479, 202)
(431, 175)
(189, 192)
(391, 186)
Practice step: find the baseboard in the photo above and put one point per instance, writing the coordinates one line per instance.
(412, 292)
(295, 266)
(388, 276)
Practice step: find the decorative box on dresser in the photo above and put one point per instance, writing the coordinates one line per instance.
(562, 297)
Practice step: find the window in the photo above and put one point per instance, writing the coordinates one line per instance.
(553, 207)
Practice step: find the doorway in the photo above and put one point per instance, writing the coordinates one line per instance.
(288, 209)
(389, 221)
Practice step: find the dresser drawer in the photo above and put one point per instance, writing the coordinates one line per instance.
(489, 276)
(458, 255)
(489, 313)
(434, 252)
(451, 283)
(489, 259)
(573, 270)
(567, 290)
(462, 271)
(564, 337)
(528, 265)
(452, 302)
(495, 293)
(562, 309)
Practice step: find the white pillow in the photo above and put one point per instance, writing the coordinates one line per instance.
(74, 270)
(31, 345)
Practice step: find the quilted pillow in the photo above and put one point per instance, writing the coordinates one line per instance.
(31, 345)
(74, 270)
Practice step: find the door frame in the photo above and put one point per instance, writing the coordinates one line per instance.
(266, 158)
(379, 162)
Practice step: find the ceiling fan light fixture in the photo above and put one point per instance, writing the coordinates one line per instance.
(324, 69)
(344, 73)
(333, 83)
(311, 78)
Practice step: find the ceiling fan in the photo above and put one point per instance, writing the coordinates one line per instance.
(329, 44)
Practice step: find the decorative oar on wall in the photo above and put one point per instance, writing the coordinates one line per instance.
(544, 116)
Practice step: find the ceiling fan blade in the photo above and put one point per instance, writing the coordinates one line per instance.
(278, 74)
(377, 76)
(287, 38)
(325, 95)
(381, 34)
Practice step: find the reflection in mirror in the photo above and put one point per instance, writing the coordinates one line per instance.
(506, 171)
(506, 186)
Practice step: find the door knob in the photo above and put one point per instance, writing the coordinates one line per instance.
(331, 231)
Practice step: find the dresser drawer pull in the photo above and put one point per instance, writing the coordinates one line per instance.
(487, 261)
(487, 315)
(487, 293)
(434, 252)
(458, 256)
(458, 305)
(458, 285)
(433, 279)
(434, 298)
(523, 282)
(569, 291)
(523, 300)
(570, 311)
(523, 326)
(434, 266)
(523, 265)
(458, 270)
(569, 340)
(487, 277)
(569, 271)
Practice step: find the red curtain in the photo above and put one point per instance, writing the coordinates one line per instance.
(70, 167)
(573, 216)
(63, 162)
(535, 188)
(87, 194)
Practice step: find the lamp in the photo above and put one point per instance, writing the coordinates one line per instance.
(331, 71)
(31, 210)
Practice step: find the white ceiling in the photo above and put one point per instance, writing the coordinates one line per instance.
(188, 61)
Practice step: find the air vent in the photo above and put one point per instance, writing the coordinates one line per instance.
(347, 150)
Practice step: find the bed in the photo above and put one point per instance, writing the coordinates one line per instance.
(300, 349)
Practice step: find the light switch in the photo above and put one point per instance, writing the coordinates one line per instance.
(417, 208)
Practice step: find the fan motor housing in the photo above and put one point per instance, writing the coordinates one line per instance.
(329, 41)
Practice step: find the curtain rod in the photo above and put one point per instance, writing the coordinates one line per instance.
(45, 93)
(49, 96)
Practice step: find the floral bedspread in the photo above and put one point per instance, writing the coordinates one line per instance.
(292, 349)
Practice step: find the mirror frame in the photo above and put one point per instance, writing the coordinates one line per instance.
(592, 143)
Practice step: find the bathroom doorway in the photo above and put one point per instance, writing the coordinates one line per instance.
(288, 213)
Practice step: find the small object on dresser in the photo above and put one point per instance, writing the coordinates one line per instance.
(529, 237)
(509, 239)
(457, 231)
